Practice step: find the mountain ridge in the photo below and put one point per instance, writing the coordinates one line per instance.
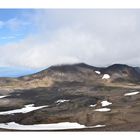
(120, 69)
(74, 93)
(80, 72)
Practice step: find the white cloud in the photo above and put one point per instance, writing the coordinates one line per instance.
(96, 37)
(13, 24)
(1, 24)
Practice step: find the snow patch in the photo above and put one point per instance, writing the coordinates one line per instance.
(98, 72)
(99, 125)
(93, 105)
(30, 105)
(53, 126)
(25, 109)
(105, 103)
(3, 96)
(96, 126)
(131, 93)
(106, 76)
(62, 101)
(103, 109)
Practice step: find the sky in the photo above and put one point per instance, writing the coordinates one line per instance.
(39, 38)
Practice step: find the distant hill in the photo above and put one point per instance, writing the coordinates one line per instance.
(121, 72)
(81, 72)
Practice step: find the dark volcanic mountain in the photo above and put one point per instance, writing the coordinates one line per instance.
(122, 73)
(104, 97)
(137, 69)
(84, 73)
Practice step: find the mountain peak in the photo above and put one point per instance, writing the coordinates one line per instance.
(122, 72)
(118, 66)
(82, 71)
(70, 67)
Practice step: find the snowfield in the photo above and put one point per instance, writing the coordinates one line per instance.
(25, 109)
(103, 109)
(54, 126)
(131, 93)
(106, 76)
(105, 103)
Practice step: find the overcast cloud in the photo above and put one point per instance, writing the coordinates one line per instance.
(96, 37)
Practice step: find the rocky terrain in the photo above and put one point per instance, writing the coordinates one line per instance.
(76, 97)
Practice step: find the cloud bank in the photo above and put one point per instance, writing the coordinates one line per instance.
(96, 37)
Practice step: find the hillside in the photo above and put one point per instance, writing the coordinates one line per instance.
(85, 97)
(83, 73)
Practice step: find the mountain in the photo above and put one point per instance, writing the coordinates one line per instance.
(137, 69)
(96, 98)
(81, 72)
(122, 73)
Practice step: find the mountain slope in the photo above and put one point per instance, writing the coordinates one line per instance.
(90, 96)
(83, 73)
(122, 73)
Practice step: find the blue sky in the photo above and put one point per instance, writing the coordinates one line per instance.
(16, 71)
(38, 38)
(14, 25)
